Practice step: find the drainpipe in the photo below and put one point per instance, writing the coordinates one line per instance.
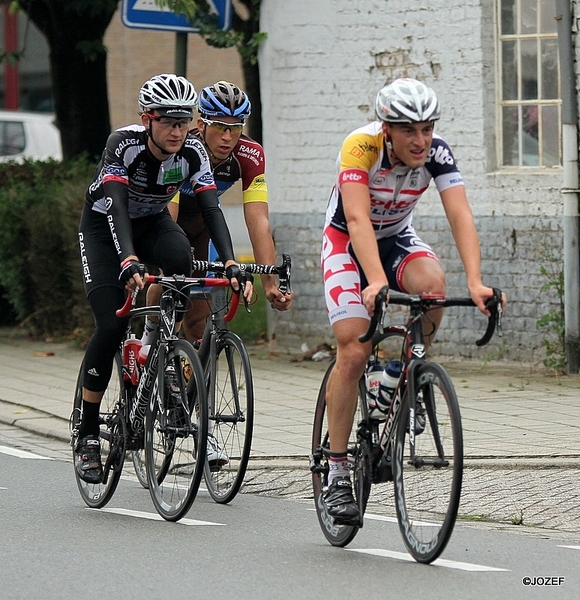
(570, 188)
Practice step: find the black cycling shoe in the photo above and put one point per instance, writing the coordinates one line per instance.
(172, 387)
(88, 460)
(420, 418)
(340, 504)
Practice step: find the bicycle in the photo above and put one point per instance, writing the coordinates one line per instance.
(159, 408)
(425, 466)
(230, 390)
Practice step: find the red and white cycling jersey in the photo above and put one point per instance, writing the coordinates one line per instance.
(394, 191)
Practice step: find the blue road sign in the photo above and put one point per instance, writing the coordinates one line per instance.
(145, 14)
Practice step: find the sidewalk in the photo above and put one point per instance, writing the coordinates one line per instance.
(521, 431)
(509, 412)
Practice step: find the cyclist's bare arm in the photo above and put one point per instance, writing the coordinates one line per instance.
(356, 203)
(258, 225)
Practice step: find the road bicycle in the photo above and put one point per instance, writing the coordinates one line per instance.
(228, 376)
(158, 411)
(426, 466)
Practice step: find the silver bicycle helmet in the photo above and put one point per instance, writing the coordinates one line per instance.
(224, 99)
(170, 95)
(407, 101)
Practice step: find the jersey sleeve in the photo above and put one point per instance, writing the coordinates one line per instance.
(201, 177)
(442, 166)
(251, 158)
(358, 154)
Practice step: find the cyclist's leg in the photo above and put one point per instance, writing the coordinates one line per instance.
(198, 311)
(415, 270)
(349, 320)
(105, 294)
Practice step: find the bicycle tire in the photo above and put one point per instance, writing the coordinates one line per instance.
(427, 493)
(112, 436)
(231, 417)
(337, 535)
(176, 433)
(138, 458)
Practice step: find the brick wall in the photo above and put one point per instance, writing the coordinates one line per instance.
(321, 67)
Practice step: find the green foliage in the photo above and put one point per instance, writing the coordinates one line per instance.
(40, 206)
(554, 320)
(198, 13)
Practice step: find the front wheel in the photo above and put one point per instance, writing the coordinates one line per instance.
(428, 465)
(112, 436)
(231, 418)
(338, 535)
(176, 431)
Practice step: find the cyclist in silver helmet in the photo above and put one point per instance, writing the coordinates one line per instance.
(369, 241)
(125, 223)
(223, 109)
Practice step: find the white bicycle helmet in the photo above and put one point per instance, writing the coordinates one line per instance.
(224, 99)
(407, 101)
(170, 95)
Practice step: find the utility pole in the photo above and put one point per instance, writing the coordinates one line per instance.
(570, 186)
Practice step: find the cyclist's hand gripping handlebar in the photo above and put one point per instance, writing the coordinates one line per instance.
(381, 302)
(242, 277)
(494, 306)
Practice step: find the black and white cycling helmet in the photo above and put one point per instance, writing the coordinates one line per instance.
(170, 95)
(224, 99)
(407, 101)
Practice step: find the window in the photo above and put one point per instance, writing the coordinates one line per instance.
(12, 140)
(529, 92)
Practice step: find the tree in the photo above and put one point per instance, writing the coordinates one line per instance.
(245, 36)
(75, 30)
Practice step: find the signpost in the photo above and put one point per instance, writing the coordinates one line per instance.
(145, 14)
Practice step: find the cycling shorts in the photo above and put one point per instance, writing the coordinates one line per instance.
(344, 279)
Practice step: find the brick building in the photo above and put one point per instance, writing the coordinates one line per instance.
(494, 66)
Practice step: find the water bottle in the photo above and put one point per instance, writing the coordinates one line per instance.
(131, 348)
(388, 384)
(374, 375)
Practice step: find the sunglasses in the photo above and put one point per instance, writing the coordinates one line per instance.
(171, 122)
(223, 127)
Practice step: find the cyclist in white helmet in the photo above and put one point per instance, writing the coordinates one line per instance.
(383, 169)
(223, 109)
(125, 223)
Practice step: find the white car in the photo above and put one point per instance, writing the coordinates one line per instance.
(28, 135)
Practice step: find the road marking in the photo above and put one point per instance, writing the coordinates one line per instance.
(22, 453)
(151, 516)
(440, 562)
(572, 547)
(372, 517)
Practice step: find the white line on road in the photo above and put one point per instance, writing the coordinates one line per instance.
(151, 516)
(440, 562)
(572, 547)
(22, 453)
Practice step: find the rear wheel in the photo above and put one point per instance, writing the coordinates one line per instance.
(428, 473)
(112, 437)
(231, 416)
(338, 535)
(176, 432)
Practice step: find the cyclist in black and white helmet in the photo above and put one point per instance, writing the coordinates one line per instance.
(125, 224)
(223, 109)
(369, 242)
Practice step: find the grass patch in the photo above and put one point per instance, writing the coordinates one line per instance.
(252, 327)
